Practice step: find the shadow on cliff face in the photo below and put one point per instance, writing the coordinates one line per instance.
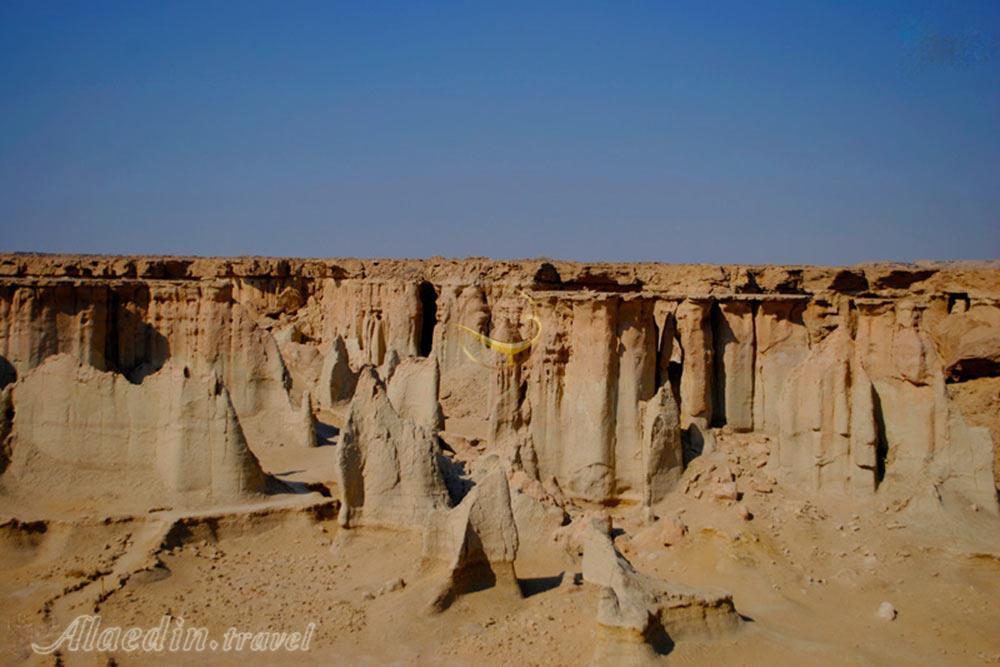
(658, 639)
(133, 347)
(8, 374)
(722, 336)
(693, 441)
(326, 434)
(456, 477)
(881, 442)
(428, 317)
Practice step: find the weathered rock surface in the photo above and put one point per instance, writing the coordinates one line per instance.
(869, 380)
(336, 380)
(662, 452)
(135, 327)
(666, 532)
(413, 391)
(642, 615)
(93, 436)
(6, 425)
(829, 431)
(477, 541)
(387, 469)
(538, 512)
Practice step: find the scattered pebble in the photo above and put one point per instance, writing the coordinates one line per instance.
(886, 611)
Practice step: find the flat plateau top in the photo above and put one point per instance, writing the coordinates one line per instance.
(972, 278)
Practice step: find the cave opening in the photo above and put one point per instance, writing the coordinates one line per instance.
(428, 317)
(958, 302)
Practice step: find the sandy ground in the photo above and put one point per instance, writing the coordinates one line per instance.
(807, 574)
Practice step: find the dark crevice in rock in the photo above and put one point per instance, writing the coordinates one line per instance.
(8, 374)
(850, 282)
(959, 300)
(598, 282)
(722, 335)
(903, 279)
(547, 277)
(132, 347)
(881, 441)
(320, 488)
(456, 477)
(428, 317)
(972, 369)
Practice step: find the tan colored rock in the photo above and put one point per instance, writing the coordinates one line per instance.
(209, 332)
(594, 373)
(6, 425)
(175, 439)
(636, 609)
(725, 491)
(388, 366)
(551, 486)
(307, 422)
(477, 541)
(978, 401)
(588, 419)
(928, 442)
(336, 379)
(782, 344)
(829, 434)
(694, 329)
(303, 360)
(612, 336)
(537, 522)
(573, 537)
(665, 532)
(735, 359)
(642, 460)
(379, 316)
(538, 513)
(663, 452)
(969, 341)
(387, 469)
(886, 612)
(506, 417)
(413, 391)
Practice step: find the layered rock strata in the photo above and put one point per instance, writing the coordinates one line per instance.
(387, 469)
(477, 542)
(92, 438)
(640, 615)
(870, 379)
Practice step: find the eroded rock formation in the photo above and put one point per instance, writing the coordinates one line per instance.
(387, 468)
(477, 542)
(641, 615)
(870, 380)
(413, 391)
(776, 428)
(336, 380)
(92, 439)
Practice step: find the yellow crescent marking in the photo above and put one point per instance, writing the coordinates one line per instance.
(509, 350)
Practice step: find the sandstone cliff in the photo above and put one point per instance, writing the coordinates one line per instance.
(88, 439)
(877, 379)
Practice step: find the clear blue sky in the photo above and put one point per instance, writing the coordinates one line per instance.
(814, 132)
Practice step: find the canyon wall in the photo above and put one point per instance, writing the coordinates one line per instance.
(866, 380)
